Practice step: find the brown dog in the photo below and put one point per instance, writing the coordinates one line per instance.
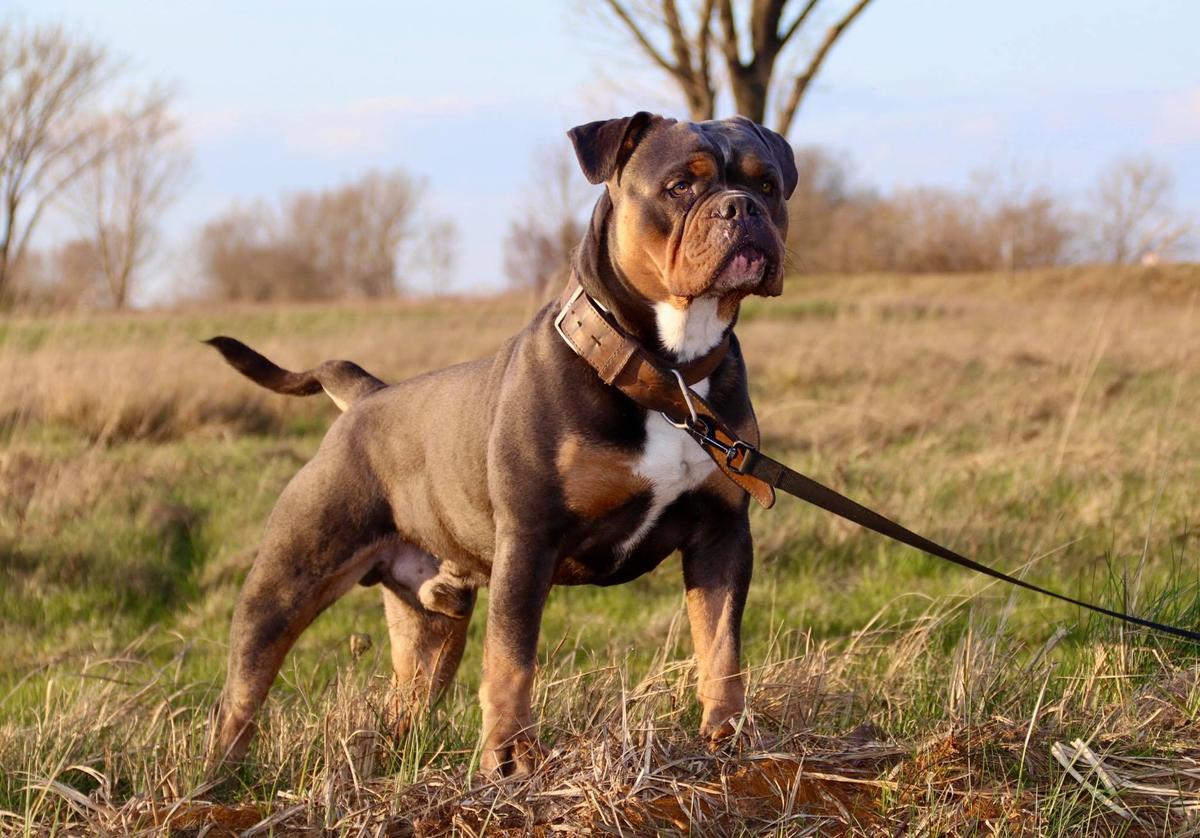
(524, 470)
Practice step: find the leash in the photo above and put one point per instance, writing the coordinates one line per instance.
(806, 489)
(623, 363)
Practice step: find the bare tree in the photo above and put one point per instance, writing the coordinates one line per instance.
(822, 187)
(243, 259)
(72, 277)
(752, 41)
(120, 196)
(438, 253)
(1026, 224)
(346, 241)
(352, 235)
(47, 82)
(537, 249)
(1001, 221)
(1132, 212)
(1035, 232)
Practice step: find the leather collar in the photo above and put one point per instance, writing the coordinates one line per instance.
(599, 340)
(622, 362)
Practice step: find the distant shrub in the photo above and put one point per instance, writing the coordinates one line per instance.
(344, 242)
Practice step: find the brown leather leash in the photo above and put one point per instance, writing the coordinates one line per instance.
(623, 363)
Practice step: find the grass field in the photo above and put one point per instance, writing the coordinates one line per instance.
(1042, 423)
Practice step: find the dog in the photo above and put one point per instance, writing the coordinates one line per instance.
(524, 470)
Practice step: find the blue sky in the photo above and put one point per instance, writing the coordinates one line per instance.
(282, 96)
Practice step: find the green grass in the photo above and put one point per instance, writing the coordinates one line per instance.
(1042, 427)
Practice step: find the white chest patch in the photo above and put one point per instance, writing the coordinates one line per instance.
(673, 464)
(671, 460)
(692, 331)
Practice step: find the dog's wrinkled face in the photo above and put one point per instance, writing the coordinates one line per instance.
(699, 209)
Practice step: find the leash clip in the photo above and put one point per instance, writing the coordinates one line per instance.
(731, 452)
(736, 453)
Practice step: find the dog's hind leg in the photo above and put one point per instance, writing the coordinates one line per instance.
(316, 547)
(426, 650)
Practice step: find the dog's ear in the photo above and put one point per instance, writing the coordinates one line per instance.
(603, 147)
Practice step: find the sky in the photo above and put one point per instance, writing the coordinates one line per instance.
(276, 97)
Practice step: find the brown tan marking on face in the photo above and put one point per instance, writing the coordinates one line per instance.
(641, 251)
(596, 478)
(752, 167)
(702, 166)
(679, 244)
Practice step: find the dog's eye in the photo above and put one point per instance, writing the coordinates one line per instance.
(679, 187)
(767, 187)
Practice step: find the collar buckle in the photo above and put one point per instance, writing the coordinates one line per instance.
(562, 314)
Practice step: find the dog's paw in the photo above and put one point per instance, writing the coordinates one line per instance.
(398, 716)
(720, 723)
(455, 601)
(511, 757)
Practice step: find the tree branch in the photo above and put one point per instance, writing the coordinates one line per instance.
(764, 30)
(679, 44)
(788, 112)
(799, 21)
(657, 57)
(729, 39)
(704, 36)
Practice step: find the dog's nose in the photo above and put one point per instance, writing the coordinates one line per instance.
(735, 206)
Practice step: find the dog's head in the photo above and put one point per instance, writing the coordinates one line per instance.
(692, 209)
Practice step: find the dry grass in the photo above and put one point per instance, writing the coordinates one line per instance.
(624, 760)
(1039, 422)
(146, 376)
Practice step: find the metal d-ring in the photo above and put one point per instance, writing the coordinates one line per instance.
(687, 400)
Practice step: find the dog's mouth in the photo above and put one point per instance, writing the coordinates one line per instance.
(745, 267)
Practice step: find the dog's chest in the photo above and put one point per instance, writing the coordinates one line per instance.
(622, 493)
(671, 463)
(601, 480)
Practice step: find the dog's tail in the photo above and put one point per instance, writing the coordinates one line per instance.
(343, 381)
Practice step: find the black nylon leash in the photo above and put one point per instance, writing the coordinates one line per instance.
(806, 489)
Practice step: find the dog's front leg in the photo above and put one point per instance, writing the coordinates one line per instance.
(520, 581)
(716, 570)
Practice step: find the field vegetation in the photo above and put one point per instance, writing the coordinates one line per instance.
(1043, 422)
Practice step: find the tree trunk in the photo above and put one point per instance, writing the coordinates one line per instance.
(687, 61)
(6, 252)
(750, 89)
(701, 103)
(3, 274)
